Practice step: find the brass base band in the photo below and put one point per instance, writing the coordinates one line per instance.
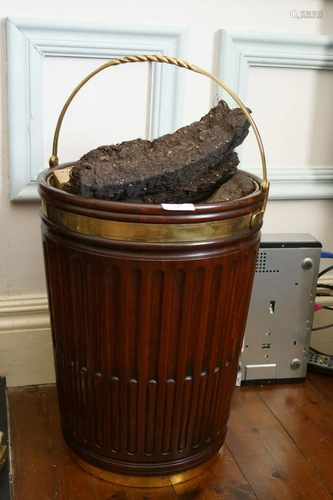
(144, 481)
(154, 233)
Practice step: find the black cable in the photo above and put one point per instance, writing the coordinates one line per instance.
(325, 271)
(323, 294)
(322, 353)
(322, 327)
(320, 285)
(325, 326)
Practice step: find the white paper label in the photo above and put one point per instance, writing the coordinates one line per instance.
(178, 206)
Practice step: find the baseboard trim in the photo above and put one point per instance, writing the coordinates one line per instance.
(26, 352)
(29, 312)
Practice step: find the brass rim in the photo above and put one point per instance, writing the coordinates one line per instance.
(145, 481)
(154, 233)
(53, 162)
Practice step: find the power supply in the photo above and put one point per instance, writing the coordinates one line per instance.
(278, 330)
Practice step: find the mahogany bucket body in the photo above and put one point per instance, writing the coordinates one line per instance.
(148, 311)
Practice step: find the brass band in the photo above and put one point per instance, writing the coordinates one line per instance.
(145, 481)
(150, 232)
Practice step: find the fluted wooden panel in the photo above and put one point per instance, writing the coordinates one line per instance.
(114, 414)
(146, 352)
(200, 410)
(150, 424)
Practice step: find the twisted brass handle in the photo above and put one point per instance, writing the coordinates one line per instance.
(53, 162)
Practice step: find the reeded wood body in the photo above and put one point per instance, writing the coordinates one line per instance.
(146, 340)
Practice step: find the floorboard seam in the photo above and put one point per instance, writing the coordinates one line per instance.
(319, 394)
(295, 443)
(175, 492)
(240, 468)
(92, 487)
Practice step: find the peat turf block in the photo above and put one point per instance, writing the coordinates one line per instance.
(197, 189)
(184, 166)
(239, 186)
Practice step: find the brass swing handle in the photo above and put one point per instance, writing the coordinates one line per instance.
(53, 162)
(3, 452)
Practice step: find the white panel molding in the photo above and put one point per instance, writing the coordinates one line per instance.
(29, 41)
(297, 183)
(26, 352)
(238, 51)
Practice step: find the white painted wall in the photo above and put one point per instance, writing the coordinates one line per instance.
(21, 266)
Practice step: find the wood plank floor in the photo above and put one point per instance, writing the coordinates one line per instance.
(279, 446)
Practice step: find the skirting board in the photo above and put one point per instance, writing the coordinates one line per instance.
(26, 353)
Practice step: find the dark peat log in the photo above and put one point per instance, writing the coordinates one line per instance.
(240, 185)
(183, 162)
(195, 189)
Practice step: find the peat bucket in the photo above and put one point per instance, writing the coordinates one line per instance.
(148, 310)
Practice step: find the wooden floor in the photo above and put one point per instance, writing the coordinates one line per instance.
(279, 446)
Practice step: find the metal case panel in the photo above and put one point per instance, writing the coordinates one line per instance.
(281, 311)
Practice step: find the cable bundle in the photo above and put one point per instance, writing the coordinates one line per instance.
(327, 292)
